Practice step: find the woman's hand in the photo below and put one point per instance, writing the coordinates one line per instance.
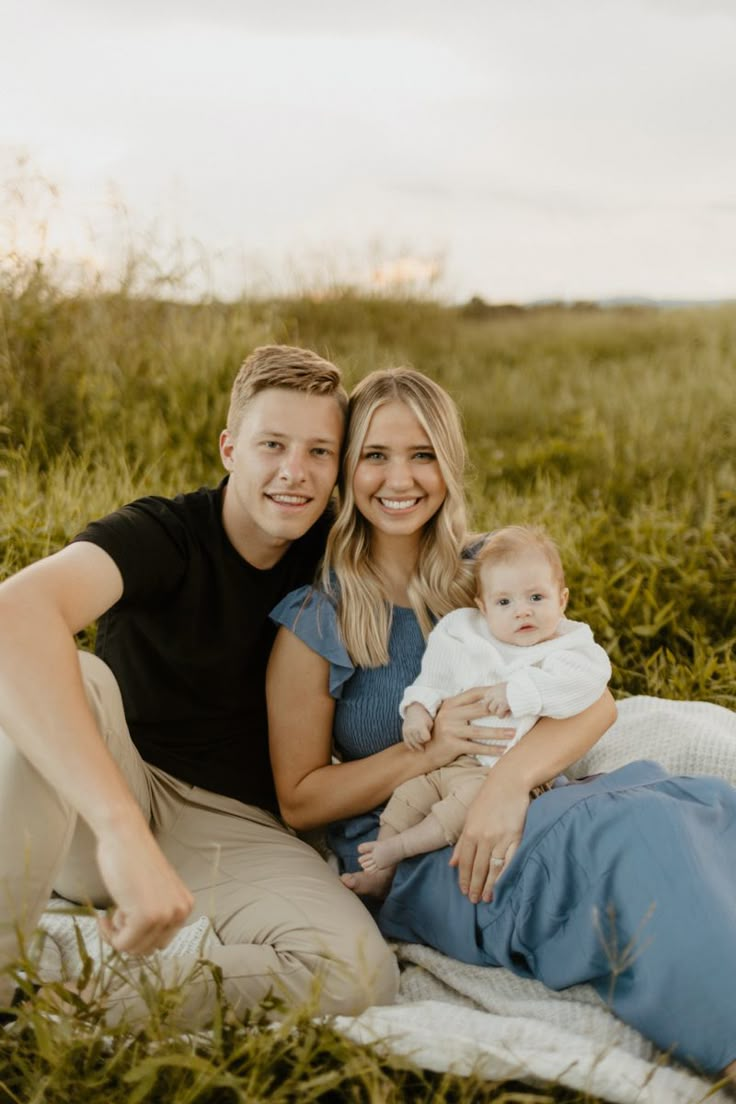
(455, 734)
(496, 819)
(493, 829)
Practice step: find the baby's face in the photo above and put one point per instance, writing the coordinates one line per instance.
(521, 600)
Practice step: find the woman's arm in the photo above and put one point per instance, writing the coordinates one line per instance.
(312, 790)
(496, 818)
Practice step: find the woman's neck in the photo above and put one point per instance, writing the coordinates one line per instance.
(396, 559)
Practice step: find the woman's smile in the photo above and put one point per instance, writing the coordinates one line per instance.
(398, 505)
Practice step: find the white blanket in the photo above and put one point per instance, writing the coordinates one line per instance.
(470, 1018)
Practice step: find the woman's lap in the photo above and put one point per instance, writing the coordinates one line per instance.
(627, 882)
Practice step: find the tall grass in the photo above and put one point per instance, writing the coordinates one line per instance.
(294, 1059)
(59, 1049)
(614, 429)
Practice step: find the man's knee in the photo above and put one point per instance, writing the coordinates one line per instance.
(368, 975)
(100, 684)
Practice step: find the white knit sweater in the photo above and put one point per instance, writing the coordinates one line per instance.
(555, 678)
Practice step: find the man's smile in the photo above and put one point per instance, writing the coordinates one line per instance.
(288, 499)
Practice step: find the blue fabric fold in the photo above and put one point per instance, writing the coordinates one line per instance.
(626, 882)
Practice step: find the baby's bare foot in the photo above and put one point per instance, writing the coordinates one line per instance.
(381, 854)
(375, 884)
(366, 856)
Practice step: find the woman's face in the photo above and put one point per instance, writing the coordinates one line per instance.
(398, 485)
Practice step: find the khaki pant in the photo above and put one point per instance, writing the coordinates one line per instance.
(446, 793)
(286, 923)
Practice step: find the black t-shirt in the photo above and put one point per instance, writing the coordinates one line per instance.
(190, 638)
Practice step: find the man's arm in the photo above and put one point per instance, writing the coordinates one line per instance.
(44, 710)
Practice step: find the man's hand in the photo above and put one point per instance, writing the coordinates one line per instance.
(493, 829)
(417, 728)
(497, 703)
(151, 901)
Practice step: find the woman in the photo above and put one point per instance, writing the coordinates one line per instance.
(575, 902)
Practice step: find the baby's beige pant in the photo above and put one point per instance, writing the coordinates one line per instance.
(446, 793)
(283, 918)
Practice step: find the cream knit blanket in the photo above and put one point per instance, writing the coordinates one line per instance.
(470, 1018)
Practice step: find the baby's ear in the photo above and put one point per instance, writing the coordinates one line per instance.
(480, 604)
(564, 595)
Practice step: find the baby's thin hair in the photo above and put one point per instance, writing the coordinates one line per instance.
(505, 544)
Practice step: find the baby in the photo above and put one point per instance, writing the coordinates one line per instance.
(535, 662)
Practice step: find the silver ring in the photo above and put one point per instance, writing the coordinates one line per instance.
(497, 862)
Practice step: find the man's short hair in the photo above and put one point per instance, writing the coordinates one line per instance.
(506, 544)
(285, 366)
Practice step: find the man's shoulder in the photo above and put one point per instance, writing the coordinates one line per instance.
(189, 505)
(201, 503)
(156, 532)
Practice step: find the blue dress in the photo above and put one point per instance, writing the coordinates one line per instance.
(626, 881)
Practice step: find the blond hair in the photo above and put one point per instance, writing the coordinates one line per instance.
(506, 544)
(285, 366)
(440, 581)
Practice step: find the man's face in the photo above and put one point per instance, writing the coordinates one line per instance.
(283, 464)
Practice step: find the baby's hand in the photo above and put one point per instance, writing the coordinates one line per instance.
(417, 727)
(496, 701)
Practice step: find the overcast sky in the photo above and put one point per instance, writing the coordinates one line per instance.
(530, 148)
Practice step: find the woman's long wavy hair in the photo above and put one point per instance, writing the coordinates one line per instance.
(441, 582)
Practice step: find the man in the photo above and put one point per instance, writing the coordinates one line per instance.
(182, 814)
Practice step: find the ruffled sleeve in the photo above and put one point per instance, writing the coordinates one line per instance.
(311, 616)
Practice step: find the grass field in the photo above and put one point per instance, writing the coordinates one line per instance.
(614, 429)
